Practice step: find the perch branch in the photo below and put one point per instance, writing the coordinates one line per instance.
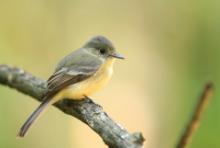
(92, 114)
(194, 122)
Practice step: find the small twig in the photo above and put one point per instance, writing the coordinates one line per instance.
(194, 122)
(92, 114)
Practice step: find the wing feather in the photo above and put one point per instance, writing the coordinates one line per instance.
(68, 76)
(75, 67)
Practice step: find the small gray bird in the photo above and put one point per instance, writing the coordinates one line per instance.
(78, 75)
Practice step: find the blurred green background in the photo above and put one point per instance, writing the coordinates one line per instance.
(172, 49)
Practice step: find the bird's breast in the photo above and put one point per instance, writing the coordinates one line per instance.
(90, 85)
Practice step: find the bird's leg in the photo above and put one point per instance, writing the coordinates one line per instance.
(86, 97)
(89, 99)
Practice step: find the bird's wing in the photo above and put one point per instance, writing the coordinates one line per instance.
(67, 76)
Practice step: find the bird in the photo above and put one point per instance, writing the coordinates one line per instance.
(78, 75)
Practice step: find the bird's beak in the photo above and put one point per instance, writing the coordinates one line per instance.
(117, 55)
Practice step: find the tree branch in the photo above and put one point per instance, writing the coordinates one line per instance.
(196, 117)
(113, 134)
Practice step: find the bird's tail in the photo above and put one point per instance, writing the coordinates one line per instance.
(33, 117)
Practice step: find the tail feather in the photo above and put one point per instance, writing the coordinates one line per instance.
(33, 117)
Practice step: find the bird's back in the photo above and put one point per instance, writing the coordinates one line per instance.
(79, 57)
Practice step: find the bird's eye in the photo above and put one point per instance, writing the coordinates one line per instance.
(102, 51)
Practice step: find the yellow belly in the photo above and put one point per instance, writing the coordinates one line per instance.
(91, 85)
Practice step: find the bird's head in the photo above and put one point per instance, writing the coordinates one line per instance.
(101, 46)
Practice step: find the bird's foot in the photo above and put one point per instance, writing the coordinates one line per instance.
(88, 99)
